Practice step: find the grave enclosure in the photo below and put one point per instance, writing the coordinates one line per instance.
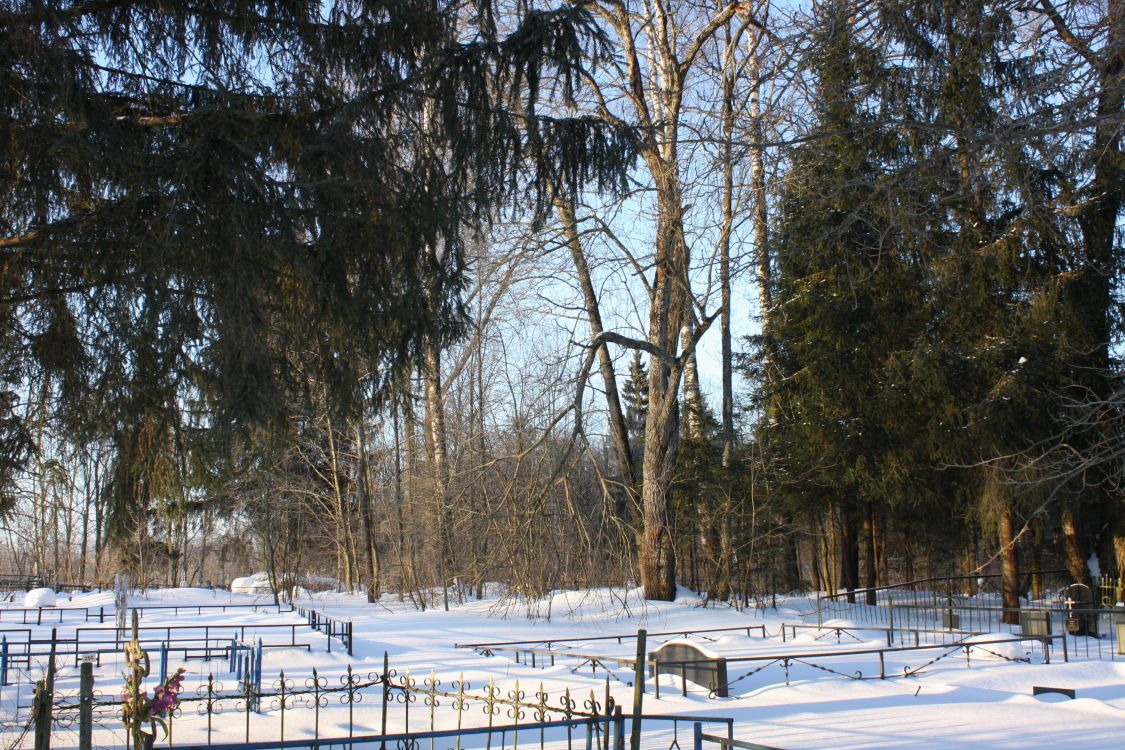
(67, 706)
(322, 686)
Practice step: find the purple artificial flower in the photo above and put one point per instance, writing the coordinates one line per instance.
(161, 702)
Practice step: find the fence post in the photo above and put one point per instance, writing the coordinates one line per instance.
(43, 707)
(618, 728)
(249, 687)
(210, 703)
(697, 735)
(257, 674)
(281, 689)
(385, 680)
(86, 707)
(638, 689)
(351, 704)
(608, 716)
(3, 661)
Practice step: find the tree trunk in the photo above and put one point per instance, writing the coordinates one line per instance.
(764, 273)
(1036, 570)
(481, 544)
(849, 542)
(657, 555)
(829, 559)
(968, 568)
(817, 583)
(370, 546)
(399, 500)
(436, 446)
(667, 314)
(1073, 555)
(692, 399)
(86, 512)
(884, 574)
(1009, 567)
(870, 559)
(345, 546)
(618, 430)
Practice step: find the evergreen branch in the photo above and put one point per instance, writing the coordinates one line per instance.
(45, 13)
(22, 239)
(45, 292)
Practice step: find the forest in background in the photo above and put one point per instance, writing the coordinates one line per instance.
(409, 294)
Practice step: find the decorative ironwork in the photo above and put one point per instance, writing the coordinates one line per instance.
(315, 698)
(283, 698)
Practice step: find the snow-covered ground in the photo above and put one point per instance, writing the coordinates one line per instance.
(984, 701)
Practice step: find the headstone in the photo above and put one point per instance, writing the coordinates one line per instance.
(1035, 622)
(1044, 690)
(696, 665)
(1081, 614)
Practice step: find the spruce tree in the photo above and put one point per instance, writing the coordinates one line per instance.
(635, 392)
(847, 301)
(993, 359)
(204, 206)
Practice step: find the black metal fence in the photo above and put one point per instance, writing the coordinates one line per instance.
(48, 615)
(940, 589)
(885, 662)
(1084, 616)
(657, 732)
(19, 648)
(543, 653)
(381, 706)
(331, 626)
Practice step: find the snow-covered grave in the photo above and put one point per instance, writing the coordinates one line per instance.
(828, 698)
(42, 597)
(256, 584)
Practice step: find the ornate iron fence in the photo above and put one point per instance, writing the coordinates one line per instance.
(399, 702)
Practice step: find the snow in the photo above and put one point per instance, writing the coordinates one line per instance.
(703, 650)
(259, 583)
(39, 598)
(983, 701)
